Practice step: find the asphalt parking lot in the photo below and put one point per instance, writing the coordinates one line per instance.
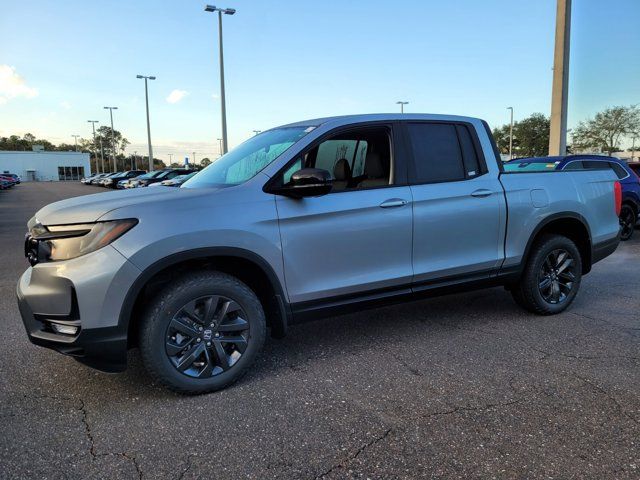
(463, 386)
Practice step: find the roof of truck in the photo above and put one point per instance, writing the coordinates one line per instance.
(375, 117)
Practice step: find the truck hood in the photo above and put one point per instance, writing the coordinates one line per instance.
(89, 208)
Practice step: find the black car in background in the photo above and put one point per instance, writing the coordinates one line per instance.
(165, 174)
(112, 181)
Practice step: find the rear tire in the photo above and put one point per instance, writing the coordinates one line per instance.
(628, 218)
(202, 332)
(551, 278)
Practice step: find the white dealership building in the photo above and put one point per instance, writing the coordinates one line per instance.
(43, 166)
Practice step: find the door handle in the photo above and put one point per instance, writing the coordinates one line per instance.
(393, 202)
(483, 192)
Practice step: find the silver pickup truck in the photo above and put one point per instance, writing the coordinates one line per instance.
(309, 219)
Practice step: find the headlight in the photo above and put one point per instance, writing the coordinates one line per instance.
(63, 242)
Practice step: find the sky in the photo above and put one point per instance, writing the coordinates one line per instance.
(62, 62)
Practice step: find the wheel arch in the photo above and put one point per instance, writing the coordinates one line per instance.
(569, 224)
(243, 264)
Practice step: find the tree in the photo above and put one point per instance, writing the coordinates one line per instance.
(104, 133)
(14, 142)
(530, 136)
(607, 129)
(205, 162)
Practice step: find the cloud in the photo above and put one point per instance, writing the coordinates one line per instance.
(176, 95)
(66, 105)
(12, 85)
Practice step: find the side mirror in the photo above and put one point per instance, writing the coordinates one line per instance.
(307, 182)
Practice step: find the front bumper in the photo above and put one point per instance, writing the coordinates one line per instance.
(86, 292)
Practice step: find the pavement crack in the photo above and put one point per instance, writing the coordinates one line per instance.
(488, 406)
(87, 427)
(185, 470)
(92, 444)
(355, 455)
(609, 396)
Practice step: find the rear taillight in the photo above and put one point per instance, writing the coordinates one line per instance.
(617, 196)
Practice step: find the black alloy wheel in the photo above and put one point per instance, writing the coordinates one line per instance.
(207, 336)
(627, 222)
(557, 276)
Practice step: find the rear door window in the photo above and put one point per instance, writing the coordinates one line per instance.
(437, 156)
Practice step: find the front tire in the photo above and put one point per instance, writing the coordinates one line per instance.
(202, 332)
(628, 217)
(551, 278)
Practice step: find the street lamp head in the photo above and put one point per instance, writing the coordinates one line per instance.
(139, 76)
(110, 108)
(402, 103)
(213, 8)
(152, 78)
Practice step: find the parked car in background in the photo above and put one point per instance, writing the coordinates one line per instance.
(174, 182)
(134, 182)
(16, 177)
(101, 181)
(8, 179)
(305, 220)
(635, 166)
(87, 180)
(4, 184)
(165, 174)
(628, 178)
(96, 178)
(112, 182)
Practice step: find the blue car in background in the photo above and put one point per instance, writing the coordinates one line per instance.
(629, 180)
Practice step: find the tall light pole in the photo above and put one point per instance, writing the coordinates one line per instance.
(95, 154)
(194, 159)
(223, 106)
(511, 135)
(170, 158)
(220, 142)
(560, 87)
(402, 104)
(101, 155)
(113, 141)
(75, 137)
(146, 96)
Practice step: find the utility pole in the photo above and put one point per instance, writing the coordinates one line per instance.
(402, 104)
(113, 141)
(146, 96)
(511, 135)
(95, 154)
(223, 106)
(220, 142)
(560, 90)
(75, 137)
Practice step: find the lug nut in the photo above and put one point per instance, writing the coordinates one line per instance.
(199, 340)
(200, 328)
(208, 344)
(217, 335)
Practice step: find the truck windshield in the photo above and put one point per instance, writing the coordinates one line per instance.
(247, 159)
